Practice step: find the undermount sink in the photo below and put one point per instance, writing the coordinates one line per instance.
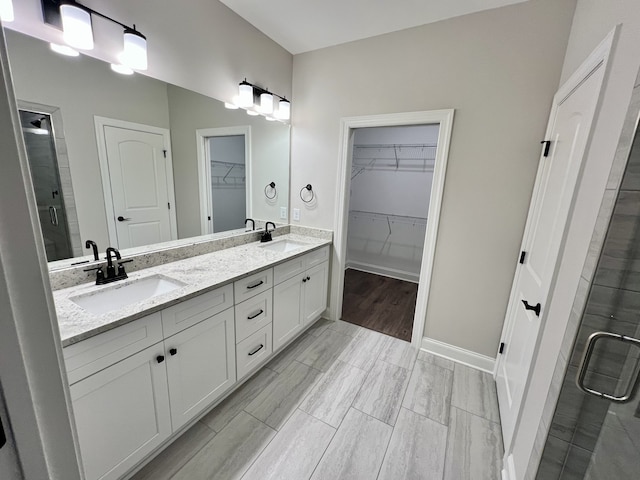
(282, 246)
(124, 294)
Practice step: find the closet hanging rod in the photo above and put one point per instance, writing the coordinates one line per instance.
(386, 215)
(227, 164)
(396, 145)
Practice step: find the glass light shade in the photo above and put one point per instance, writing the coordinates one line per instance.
(134, 54)
(245, 95)
(76, 25)
(266, 103)
(284, 110)
(252, 113)
(121, 69)
(6, 11)
(64, 50)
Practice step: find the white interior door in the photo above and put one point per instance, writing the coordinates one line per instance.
(139, 188)
(558, 174)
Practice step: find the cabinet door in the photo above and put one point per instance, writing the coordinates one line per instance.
(287, 311)
(315, 292)
(201, 366)
(122, 413)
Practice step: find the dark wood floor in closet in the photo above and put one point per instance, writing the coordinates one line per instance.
(379, 303)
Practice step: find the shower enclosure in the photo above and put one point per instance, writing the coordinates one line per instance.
(38, 136)
(595, 430)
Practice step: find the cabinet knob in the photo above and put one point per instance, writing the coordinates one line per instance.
(173, 351)
(160, 358)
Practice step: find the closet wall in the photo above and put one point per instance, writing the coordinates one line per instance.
(392, 172)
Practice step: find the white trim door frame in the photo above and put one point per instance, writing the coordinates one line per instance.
(101, 123)
(204, 171)
(444, 118)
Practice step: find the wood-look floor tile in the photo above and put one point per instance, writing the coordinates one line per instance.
(474, 448)
(436, 360)
(294, 452)
(429, 392)
(322, 353)
(382, 392)
(475, 392)
(289, 354)
(417, 449)
(357, 449)
(230, 453)
(279, 399)
(363, 350)
(400, 353)
(320, 326)
(172, 458)
(345, 328)
(220, 416)
(331, 397)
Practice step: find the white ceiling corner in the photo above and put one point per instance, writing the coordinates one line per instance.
(304, 25)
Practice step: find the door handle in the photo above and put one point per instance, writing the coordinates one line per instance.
(123, 219)
(586, 359)
(53, 214)
(535, 308)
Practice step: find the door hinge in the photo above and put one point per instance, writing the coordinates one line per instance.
(209, 218)
(547, 145)
(164, 152)
(523, 254)
(501, 348)
(168, 205)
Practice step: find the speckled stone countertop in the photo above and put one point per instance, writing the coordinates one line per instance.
(199, 274)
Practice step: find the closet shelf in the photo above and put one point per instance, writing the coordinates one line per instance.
(397, 157)
(233, 175)
(389, 218)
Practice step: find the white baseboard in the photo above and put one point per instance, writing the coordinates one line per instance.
(384, 271)
(459, 355)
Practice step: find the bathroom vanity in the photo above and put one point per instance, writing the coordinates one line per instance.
(148, 356)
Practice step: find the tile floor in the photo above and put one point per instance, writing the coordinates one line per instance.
(343, 402)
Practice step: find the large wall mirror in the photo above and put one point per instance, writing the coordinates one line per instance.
(129, 161)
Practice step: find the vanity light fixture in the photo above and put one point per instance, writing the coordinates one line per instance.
(134, 54)
(76, 25)
(64, 50)
(259, 101)
(121, 69)
(6, 10)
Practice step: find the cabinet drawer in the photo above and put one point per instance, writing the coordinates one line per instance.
(289, 269)
(190, 312)
(252, 285)
(316, 257)
(253, 314)
(94, 354)
(253, 351)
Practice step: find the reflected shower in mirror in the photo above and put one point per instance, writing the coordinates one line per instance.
(139, 161)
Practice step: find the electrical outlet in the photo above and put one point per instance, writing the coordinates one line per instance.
(283, 213)
(296, 214)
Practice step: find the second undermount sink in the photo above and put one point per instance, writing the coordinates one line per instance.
(282, 246)
(127, 293)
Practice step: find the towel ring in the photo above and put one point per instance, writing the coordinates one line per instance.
(271, 186)
(309, 188)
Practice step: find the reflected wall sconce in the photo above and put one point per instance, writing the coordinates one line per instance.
(259, 101)
(6, 10)
(76, 23)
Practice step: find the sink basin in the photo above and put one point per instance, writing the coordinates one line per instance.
(282, 246)
(127, 293)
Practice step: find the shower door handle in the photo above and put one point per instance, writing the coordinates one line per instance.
(586, 359)
(53, 214)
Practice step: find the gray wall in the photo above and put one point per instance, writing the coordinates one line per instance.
(499, 69)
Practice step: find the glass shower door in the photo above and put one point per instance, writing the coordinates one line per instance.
(39, 140)
(595, 430)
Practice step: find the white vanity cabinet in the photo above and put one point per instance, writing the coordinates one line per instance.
(300, 294)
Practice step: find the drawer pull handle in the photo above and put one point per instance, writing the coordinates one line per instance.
(173, 351)
(255, 285)
(160, 358)
(256, 315)
(256, 350)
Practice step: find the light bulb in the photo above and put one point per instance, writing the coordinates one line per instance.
(76, 25)
(6, 11)
(266, 103)
(134, 54)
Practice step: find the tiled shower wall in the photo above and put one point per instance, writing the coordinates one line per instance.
(613, 304)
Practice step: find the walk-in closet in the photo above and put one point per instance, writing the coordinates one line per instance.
(391, 178)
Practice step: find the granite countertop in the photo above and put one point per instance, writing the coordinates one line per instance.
(199, 274)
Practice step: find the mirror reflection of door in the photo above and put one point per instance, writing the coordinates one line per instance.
(139, 195)
(39, 140)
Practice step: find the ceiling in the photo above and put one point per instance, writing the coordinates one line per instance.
(303, 25)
